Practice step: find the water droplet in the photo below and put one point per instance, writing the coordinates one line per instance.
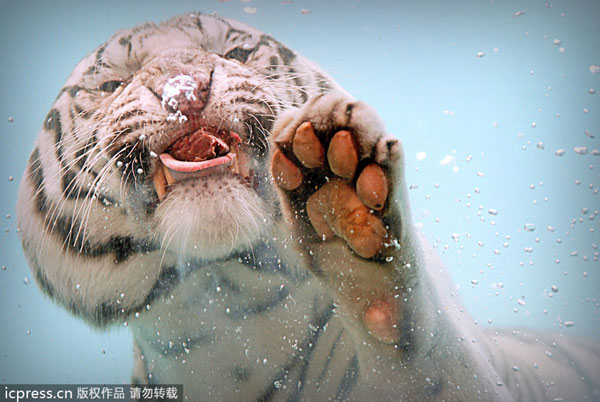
(569, 323)
(554, 288)
(421, 156)
(119, 164)
(153, 154)
(581, 150)
(480, 54)
(10, 119)
(519, 13)
(474, 282)
(533, 124)
(557, 42)
(516, 368)
(455, 236)
(250, 10)
(492, 211)
(448, 159)
(306, 11)
(10, 178)
(529, 227)
(559, 152)
(389, 259)
(594, 69)
(591, 91)
(140, 171)
(521, 302)
(26, 281)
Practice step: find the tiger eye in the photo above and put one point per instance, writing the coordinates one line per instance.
(110, 86)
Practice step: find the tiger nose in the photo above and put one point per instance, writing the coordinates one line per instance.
(185, 95)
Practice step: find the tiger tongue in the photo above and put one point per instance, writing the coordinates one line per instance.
(198, 146)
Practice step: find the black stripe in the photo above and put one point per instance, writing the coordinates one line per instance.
(36, 174)
(263, 258)
(232, 31)
(71, 90)
(81, 112)
(248, 309)
(126, 42)
(170, 349)
(330, 356)
(285, 53)
(302, 359)
(99, 63)
(299, 84)
(54, 125)
(199, 24)
(106, 312)
(83, 152)
(122, 247)
(310, 346)
(349, 381)
(349, 109)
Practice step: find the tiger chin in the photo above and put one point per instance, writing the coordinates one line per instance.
(249, 221)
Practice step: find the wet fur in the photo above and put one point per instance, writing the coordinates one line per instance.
(223, 284)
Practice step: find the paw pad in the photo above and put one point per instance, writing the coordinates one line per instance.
(350, 201)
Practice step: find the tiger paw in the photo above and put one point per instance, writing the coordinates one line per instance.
(337, 167)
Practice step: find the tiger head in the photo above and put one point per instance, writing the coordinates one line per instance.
(170, 122)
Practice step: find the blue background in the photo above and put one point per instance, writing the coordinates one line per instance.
(417, 64)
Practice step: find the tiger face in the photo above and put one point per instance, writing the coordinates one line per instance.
(154, 109)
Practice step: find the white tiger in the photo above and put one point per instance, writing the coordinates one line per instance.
(249, 220)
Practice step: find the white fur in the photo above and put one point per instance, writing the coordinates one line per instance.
(211, 218)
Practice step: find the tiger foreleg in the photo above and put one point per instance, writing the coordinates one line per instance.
(341, 179)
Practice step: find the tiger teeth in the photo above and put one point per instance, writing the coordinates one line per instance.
(165, 177)
(235, 167)
(160, 182)
(168, 175)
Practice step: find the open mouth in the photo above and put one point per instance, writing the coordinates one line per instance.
(207, 150)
